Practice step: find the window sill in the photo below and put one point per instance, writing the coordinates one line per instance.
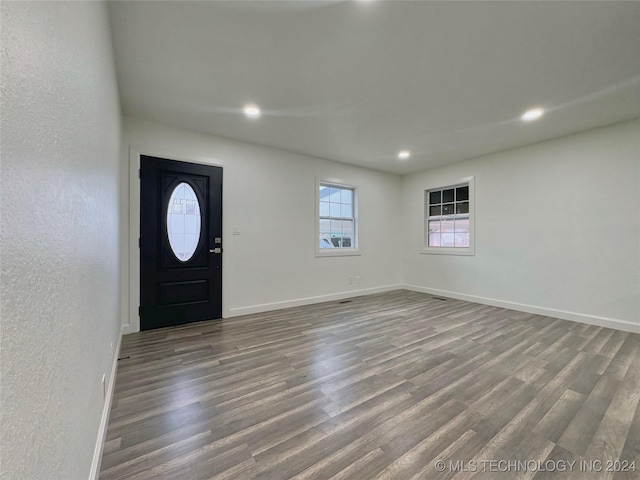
(448, 251)
(337, 253)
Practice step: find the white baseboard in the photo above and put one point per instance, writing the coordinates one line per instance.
(548, 312)
(267, 307)
(104, 421)
(127, 329)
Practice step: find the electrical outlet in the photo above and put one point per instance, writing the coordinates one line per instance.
(358, 280)
(350, 279)
(236, 231)
(104, 386)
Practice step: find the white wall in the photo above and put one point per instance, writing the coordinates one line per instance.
(269, 195)
(59, 240)
(557, 229)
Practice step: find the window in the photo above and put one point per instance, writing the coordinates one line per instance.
(183, 222)
(449, 219)
(336, 219)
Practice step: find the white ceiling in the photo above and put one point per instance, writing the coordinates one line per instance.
(358, 81)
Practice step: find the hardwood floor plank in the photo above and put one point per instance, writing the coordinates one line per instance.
(631, 452)
(423, 453)
(382, 386)
(562, 466)
(579, 434)
(557, 419)
(368, 466)
(609, 439)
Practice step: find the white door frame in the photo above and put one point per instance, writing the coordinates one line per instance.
(135, 151)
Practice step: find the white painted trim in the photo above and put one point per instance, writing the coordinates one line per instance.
(106, 410)
(338, 253)
(135, 151)
(341, 252)
(614, 323)
(472, 219)
(134, 235)
(447, 251)
(267, 307)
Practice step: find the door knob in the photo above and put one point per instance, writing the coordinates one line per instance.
(215, 250)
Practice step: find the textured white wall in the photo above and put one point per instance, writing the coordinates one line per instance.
(269, 195)
(59, 240)
(557, 226)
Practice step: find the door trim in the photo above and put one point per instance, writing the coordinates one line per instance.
(131, 298)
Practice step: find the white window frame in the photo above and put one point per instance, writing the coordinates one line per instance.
(340, 251)
(470, 250)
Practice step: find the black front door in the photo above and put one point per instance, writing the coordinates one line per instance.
(180, 242)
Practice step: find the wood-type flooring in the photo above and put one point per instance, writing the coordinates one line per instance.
(397, 385)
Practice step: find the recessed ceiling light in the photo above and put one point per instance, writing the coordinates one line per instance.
(531, 115)
(252, 111)
(404, 154)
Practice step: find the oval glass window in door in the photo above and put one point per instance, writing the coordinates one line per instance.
(183, 222)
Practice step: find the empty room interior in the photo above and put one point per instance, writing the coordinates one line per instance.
(320, 239)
